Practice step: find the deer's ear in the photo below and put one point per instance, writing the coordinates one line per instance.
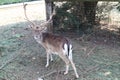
(44, 29)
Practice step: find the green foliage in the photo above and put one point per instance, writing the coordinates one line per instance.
(2, 2)
(65, 17)
(70, 16)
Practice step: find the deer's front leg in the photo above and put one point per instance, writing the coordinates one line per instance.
(47, 63)
(51, 58)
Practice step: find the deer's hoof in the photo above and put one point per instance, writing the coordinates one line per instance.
(77, 76)
(65, 73)
(46, 65)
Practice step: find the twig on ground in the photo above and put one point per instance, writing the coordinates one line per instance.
(54, 71)
(2, 78)
(81, 70)
(10, 60)
(57, 76)
(92, 68)
(90, 51)
(7, 62)
(48, 74)
(84, 49)
(13, 74)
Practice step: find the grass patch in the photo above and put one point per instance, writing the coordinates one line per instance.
(102, 64)
(3, 2)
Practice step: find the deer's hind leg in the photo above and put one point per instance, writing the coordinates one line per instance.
(74, 68)
(72, 63)
(67, 62)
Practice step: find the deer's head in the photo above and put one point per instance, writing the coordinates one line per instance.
(32, 25)
(41, 27)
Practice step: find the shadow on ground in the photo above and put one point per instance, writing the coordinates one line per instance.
(22, 58)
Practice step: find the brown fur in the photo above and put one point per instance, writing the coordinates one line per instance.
(55, 40)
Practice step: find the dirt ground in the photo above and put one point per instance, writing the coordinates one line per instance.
(22, 58)
(14, 13)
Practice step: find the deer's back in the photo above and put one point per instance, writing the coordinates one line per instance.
(55, 42)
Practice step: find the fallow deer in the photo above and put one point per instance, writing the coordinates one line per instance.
(53, 44)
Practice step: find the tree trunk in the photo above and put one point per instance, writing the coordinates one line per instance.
(48, 5)
(79, 10)
(90, 11)
(49, 9)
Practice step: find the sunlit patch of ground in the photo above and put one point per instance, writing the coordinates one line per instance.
(15, 13)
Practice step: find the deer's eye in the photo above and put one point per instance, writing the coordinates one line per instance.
(37, 27)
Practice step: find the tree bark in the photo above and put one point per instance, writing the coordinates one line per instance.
(49, 9)
(79, 10)
(48, 5)
(90, 11)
